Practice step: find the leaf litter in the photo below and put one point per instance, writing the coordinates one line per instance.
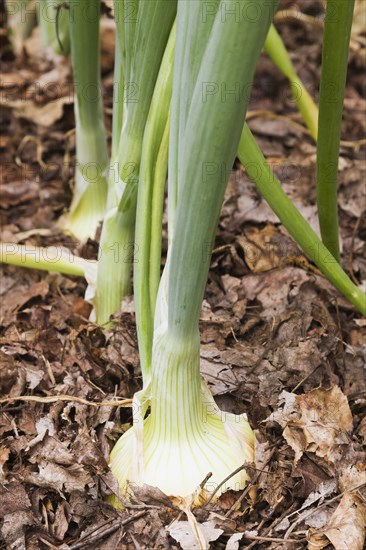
(278, 342)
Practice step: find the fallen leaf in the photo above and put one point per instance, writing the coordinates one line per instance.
(233, 542)
(44, 115)
(33, 378)
(15, 192)
(313, 477)
(13, 498)
(272, 482)
(18, 297)
(4, 455)
(320, 517)
(346, 528)
(272, 288)
(61, 523)
(52, 450)
(194, 539)
(258, 249)
(273, 127)
(317, 421)
(13, 528)
(352, 476)
(59, 478)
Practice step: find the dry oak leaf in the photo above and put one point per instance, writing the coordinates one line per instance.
(352, 476)
(196, 536)
(317, 422)
(346, 528)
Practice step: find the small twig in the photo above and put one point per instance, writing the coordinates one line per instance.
(326, 503)
(277, 521)
(132, 518)
(339, 325)
(49, 370)
(305, 378)
(298, 15)
(204, 481)
(39, 151)
(95, 530)
(47, 543)
(272, 539)
(247, 489)
(55, 398)
(263, 521)
(94, 536)
(242, 497)
(242, 467)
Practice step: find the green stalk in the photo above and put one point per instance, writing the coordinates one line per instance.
(255, 164)
(92, 160)
(153, 171)
(54, 25)
(185, 437)
(21, 20)
(276, 50)
(144, 31)
(52, 258)
(117, 231)
(195, 37)
(189, 265)
(119, 78)
(337, 32)
(116, 253)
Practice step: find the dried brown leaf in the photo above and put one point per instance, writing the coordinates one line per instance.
(196, 537)
(44, 115)
(73, 478)
(13, 528)
(272, 288)
(13, 498)
(346, 528)
(317, 421)
(352, 476)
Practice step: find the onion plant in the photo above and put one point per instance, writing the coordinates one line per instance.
(337, 33)
(92, 158)
(185, 435)
(270, 188)
(152, 178)
(276, 50)
(143, 29)
(179, 435)
(21, 19)
(53, 21)
(117, 250)
(50, 258)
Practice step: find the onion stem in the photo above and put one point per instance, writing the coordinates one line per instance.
(51, 258)
(259, 171)
(153, 171)
(19, 24)
(92, 159)
(143, 38)
(337, 32)
(276, 50)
